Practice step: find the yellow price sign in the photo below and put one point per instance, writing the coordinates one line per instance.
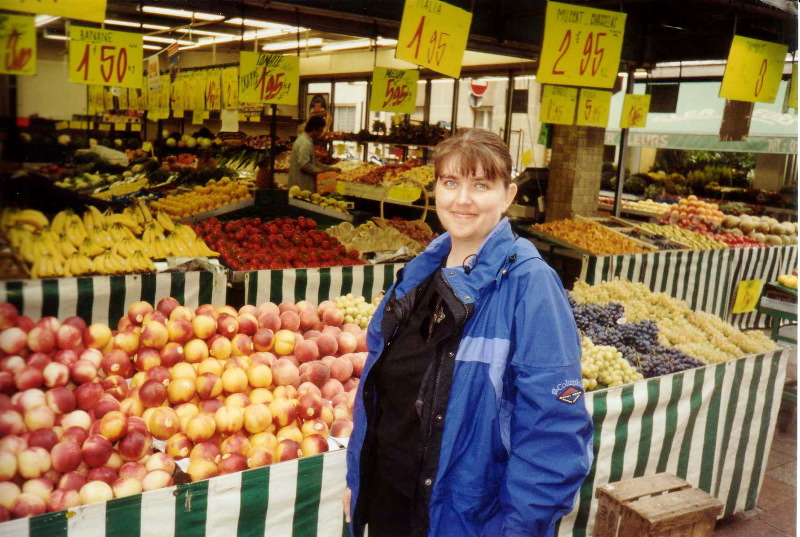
(748, 293)
(394, 90)
(754, 70)
(527, 157)
(558, 105)
(123, 100)
(108, 99)
(433, 34)
(634, 111)
(268, 78)
(581, 46)
(85, 10)
(213, 90)
(593, 108)
(791, 101)
(230, 88)
(133, 99)
(17, 45)
(105, 57)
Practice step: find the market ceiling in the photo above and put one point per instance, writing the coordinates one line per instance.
(656, 30)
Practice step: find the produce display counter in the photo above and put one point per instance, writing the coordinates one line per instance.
(318, 209)
(104, 299)
(711, 426)
(244, 204)
(316, 284)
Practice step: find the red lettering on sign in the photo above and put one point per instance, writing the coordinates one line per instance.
(16, 60)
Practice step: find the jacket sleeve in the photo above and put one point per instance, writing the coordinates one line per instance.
(551, 430)
(306, 162)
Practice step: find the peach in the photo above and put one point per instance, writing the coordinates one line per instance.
(181, 312)
(242, 345)
(178, 446)
(236, 443)
(361, 342)
(327, 345)
(285, 373)
(200, 469)
(290, 320)
(126, 486)
(248, 323)
(259, 375)
(71, 481)
(318, 374)
(117, 362)
(285, 392)
(231, 463)
(171, 354)
(313, 445)
(283, 412)
(69, 337)
(308, 387)
(114, 425)
(306, 351)
(258, 457)
(332, 330)
(62, 499)
(163, 422)
(8, 315)
(309, 405)
(256, 418)
(181, 390)
(93, 356)
(41, 487)
(96, 450)
(200, 427)
(13, 364)
(314, 426)
(264, 439)
(248, 308)
(25, 323)
(9, 492)
(287, 450)
(133, 469)
(331, 388)
(8, 465)
(341, 369)
(107, 403)
(154, 335)
(270, 320)
(131, 406)
(263, 339)
(76, 418)
(288, 306)
(263, 357)
(208, 385)
(45, 438)
(7, 386)
(29, 378)
(229, 420)
(127, 341)
(308, 319)
(87, 395)
(115, 386)
(260, 395)
(39, 417)
(13, 340)
(333, 316)
(146, 358)
(155, 316)
(195, 351)
(83, 372)
(95, 492)
(152, 393)
(161, 461)
(180, 330)
(205, 450)
(157, 479)
(38, 360)
(167, 305)
(220, 347)
(96, 336)
(347, 342)
(227, 325)
(204, 326)
(239, 400)
(138, 310)
(27, 505)
(341, 428)
(41, 339)
(105, 474)
(269, 307)
(234, 380)
(359, 359)
(135, 445)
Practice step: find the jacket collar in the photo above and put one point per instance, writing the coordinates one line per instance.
(496, 254)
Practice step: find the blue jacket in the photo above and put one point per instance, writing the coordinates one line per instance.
(517, 439)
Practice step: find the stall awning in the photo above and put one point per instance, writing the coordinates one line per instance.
(705, 142)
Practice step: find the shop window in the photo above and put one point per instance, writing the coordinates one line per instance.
(483, 118)
(344, 118)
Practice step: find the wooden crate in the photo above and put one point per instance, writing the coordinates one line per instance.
(655, 506)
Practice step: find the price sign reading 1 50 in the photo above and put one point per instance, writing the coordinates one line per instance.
(106, 58)
(433, 34)
(581, 47)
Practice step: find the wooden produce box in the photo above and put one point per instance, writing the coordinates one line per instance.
(655, 506)
(617, 231)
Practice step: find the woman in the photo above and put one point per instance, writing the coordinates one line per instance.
(469, 418)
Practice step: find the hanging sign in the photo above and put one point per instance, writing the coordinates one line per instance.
(433, 34)
(748, 293)
(85, 10)
(17, 45)
(153, 75)
(791, 100)
(213, 93)
(558, 105)
(230, 88)
(95, 98)
(197, 91)
(394, 90)
(634, 111)
(753, 71)
(268, 78)
(123, 99)
(593, 108)
(581, 46)
(105, 57)
(133, 99)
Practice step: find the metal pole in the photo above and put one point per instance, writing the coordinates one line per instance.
(454, 115)
(273, 127)
(623, 150)
(509, 102)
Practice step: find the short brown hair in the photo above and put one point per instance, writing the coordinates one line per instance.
(474, 149)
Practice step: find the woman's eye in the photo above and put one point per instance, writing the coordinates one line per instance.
(481, 186)
(449, 183)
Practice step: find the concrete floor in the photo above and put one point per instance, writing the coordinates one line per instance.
(775, 514)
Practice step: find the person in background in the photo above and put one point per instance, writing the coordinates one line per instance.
(469, 417)
(303, 166)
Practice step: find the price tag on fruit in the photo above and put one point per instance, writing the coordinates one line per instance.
(748, 293)
(17, 45)
(394, 90)
(268, 78)
(433, 34)
(558, 105)
(230, 88)
(753, 71)
(581, 46)
(213, 93)
(634, 111)
(593, 108)
(85, 10)
(105, 57)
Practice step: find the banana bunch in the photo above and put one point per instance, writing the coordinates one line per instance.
(110, 263)
(32, 219)
(78, 265)
(47, 266)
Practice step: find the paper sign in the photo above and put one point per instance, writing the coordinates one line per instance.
(230, 88)
(197, 117)
(197, 91)
(62, 125)
(634, 111)
(527, 157)
(105, 57)
(165, 94)
(17, 45)
(136, 127)
(341, 149)
(213, 90)
(593, 108)
(104, 127)
(558, 105)
(753, 72)
(433, 34)
(230, 121)
(108, 99)
(394, 90)
(791, 101)
(268, 78)
(123, 100)
(153, 75)
(133, 99)
(85, 10)
(581, 46)
(748, 292)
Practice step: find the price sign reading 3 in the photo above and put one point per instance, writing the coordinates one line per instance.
(558, 105)
(433, 34)
(581, 46)
(753, 71)
(394, 90)
(268, 78)
(105, 57)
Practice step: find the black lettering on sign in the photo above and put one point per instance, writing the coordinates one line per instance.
(569, 15)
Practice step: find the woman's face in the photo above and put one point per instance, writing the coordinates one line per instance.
(470, 207)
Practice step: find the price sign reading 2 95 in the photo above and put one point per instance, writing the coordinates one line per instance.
(104, 57)
(433, 34)
(581, 46)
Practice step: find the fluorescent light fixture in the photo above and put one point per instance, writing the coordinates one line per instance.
(182, 13)
(247, 36)
(129, 24)
(253, 22)
(383, 42)
(198, 31)
(346, 45)
(59, 37)
(167, 40)
(284, 45)
(155, 27)
(42, 20)
(151, 47)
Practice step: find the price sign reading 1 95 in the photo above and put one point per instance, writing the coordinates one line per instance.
(268, 78)
(104, 57)
(581, 47)
(433, 34)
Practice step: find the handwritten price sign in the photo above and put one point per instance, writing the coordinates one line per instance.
(394, 90)
(230, 88)
(581, 46)
(105, 57)
(753, 72)
(634, 111)
(268, 78)
(213, 91)
(558, 105)
(791, 99)
(85, 10)
(593, 108)
(433, 34)
(748, 293)
(17, 45)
